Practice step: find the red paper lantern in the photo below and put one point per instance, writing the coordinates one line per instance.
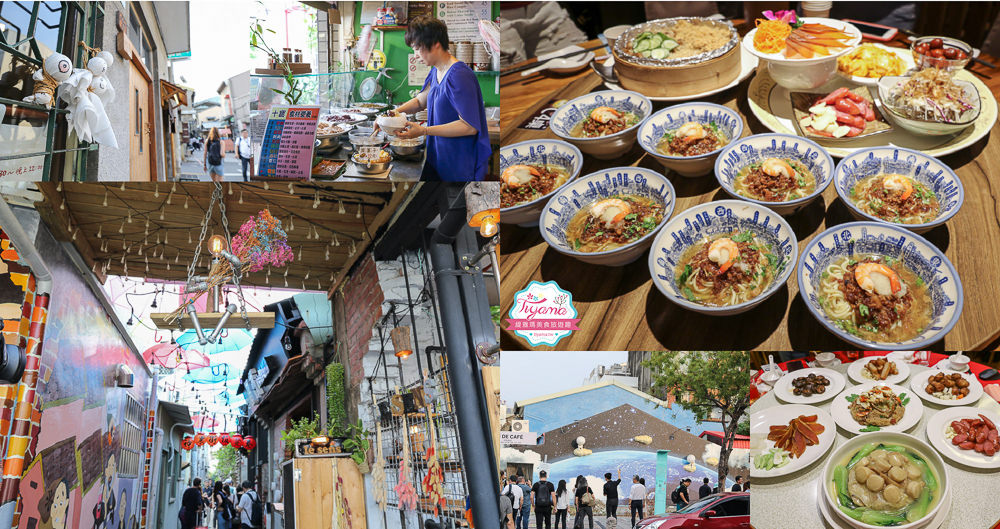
(199, 439)
(212, 438)
(249, 442)
(224, 439)
(187, 443)
(236, 440)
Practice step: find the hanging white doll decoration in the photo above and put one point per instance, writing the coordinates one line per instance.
(86, 93)
(56, 69)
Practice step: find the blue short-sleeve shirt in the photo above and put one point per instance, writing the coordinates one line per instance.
(457, 96)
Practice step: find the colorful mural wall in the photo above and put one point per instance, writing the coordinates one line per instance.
(84, 463)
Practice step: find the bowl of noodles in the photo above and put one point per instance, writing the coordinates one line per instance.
(780, 171)
(602, 124)
(899, 186)
(530, 172)
(723, 257)
(880, 286)
(687, 138)
(609, 217)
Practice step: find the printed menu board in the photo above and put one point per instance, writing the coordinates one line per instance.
(289, 139)
(462, 19)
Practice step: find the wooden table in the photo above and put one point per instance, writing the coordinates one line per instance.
(621, 310)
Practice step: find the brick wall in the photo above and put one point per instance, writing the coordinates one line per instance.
(357, 306)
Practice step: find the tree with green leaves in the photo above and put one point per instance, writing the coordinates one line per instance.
(705, 383)
(227, 464)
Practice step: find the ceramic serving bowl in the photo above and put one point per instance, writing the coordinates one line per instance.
(923, 168)
(723, 216)
(800, 73)
(916, 253)
(565, 203)
(759, 147)
(729, 122)
(604, 147)
(942, 63)
(391, 124)
(538, 152)
(850, 447)
(927, 125)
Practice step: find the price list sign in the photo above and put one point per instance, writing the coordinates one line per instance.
(289, 138)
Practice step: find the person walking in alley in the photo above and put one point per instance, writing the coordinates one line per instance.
(244, 150)
(506, 513)
(636, 495)
(250, 510)
(738, 486)
(680, 495)
(525, 516)
(584, 503)
(220, 498)
(191, 505)
(213, 157)
(516, 496)
(611, 492)
(705, 489)
(563, 499)
(543, 495)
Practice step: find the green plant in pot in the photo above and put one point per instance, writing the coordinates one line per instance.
(358, 444)
(336, 402)
(304, 428)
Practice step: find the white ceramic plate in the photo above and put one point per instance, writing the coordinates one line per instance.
(842, 414)
(783, 389)
(854, 371)
(936, 426)
(772, 105)
(760, 425)
(903, 53)
(837, 523)
(919, 382)
(944, 365)
(563, 66)
(748, 63)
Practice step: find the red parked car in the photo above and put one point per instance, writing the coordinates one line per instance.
(728, 510)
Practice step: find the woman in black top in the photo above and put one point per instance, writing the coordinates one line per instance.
(611, 492)
(582, 509)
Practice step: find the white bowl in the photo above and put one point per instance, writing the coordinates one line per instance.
(740, 153)
(918, 254)
(923, 168)
(652, 130)
(805, 74)
(851, 446)
(723, 216)
(538, 152)
(928, 127)
(391, 124)
(602, 147)
(574, 196)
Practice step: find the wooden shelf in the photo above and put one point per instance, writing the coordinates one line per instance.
(208, 320)
(388, 28)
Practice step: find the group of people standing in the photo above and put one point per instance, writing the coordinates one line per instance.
(239, 509)
(518, 495)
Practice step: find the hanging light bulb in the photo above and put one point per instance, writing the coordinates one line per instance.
(358, 216)
(230, 188)
(316, 201)
(156, 190)
(306, 277)
(186, 201)
(327, 257)
(401, 341)
(241, 196)
(163, 212)
(291, 190)
(299, 258)
(99, 230)
(105, 202)
(340, 207)
(59, 187)
(291, 223)
(393, 186)
(62, 205)
(129, 218)
(336, 241)
(189, 236)
(122, 228)
(178, 258)
(122, 186)
(217, 245)
(166, 235)
(266, 187)
(170, 197)
(487, 222)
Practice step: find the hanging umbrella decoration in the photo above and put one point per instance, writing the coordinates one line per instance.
(174, 356)
(204, 422)
(214, 374)
(233, 340)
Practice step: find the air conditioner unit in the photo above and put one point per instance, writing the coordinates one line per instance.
(519, 426)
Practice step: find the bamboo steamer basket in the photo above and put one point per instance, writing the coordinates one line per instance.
(661, 79)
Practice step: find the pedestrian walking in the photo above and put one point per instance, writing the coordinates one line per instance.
(611, 492)
(738, 486)
(221, 511)
(516, 496)
(244, 150)
(213, 157)
(563, 499)
(584, 503)
(680, 495)
(525, 516)
(543, 496)
(506, 513)
(191, 505)
(705, 489)
(636, 495)
(250, 509)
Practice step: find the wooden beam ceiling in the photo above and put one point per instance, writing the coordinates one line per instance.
(151, 229)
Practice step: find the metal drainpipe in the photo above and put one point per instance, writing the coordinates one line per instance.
(21, 427)
(462, 366)
(170, 439)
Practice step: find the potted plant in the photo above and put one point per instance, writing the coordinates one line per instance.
(304, 428)
(358, 444)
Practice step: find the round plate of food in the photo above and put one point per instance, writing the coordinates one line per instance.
(748, 63)
(772, 105)
(786, 439)
(955, 431)
(876, 407)
(867, 62)
(947, 388)
(809, 386)
(878, 369)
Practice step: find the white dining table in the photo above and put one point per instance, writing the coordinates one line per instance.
(793, 501)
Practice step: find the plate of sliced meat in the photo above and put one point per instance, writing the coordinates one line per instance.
(789, 438)
(966, 435)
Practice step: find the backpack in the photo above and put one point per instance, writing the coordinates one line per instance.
(510, 496)
(214, 152)
(675, 496)
(256, 511)
(544, 496)
(588, 499)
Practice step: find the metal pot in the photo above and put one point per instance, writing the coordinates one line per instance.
(407, 150)
(372, 168)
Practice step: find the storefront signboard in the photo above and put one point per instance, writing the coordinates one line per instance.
(289, 139)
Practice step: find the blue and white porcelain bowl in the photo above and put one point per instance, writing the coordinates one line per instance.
(915, 252)
(602, 147)
(712, 218)
(925, 169)
(651, 131)
(758, 148)
(537, 152)
(580, 193)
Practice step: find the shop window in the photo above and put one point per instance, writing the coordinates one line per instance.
(128, 455)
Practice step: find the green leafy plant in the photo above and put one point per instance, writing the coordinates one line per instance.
(227, 463)
(293, 93)
(336, 406)
(357, 442)
(304, 428)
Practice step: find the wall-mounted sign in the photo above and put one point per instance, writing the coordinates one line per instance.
(289, 138)
(180, 55)
(518, 438)
(306, 448)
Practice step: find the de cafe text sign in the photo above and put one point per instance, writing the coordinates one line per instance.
(518, 438)
(305, 448)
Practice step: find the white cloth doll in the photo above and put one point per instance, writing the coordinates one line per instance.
(56, 69)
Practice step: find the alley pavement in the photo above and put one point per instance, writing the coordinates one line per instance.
(192, 168)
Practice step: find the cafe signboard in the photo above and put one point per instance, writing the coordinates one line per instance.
(320, 448)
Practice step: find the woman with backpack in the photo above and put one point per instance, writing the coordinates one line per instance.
(584, 503)
(562, 503)
(221, 501)
(213, 156)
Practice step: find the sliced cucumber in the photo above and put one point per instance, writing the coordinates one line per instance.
(642, 45)
(669, 44)
(655, 41)
(659, 53)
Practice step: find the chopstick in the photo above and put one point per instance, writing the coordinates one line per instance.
(535, 64)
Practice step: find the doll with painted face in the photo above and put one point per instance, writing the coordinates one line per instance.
(56, 69)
